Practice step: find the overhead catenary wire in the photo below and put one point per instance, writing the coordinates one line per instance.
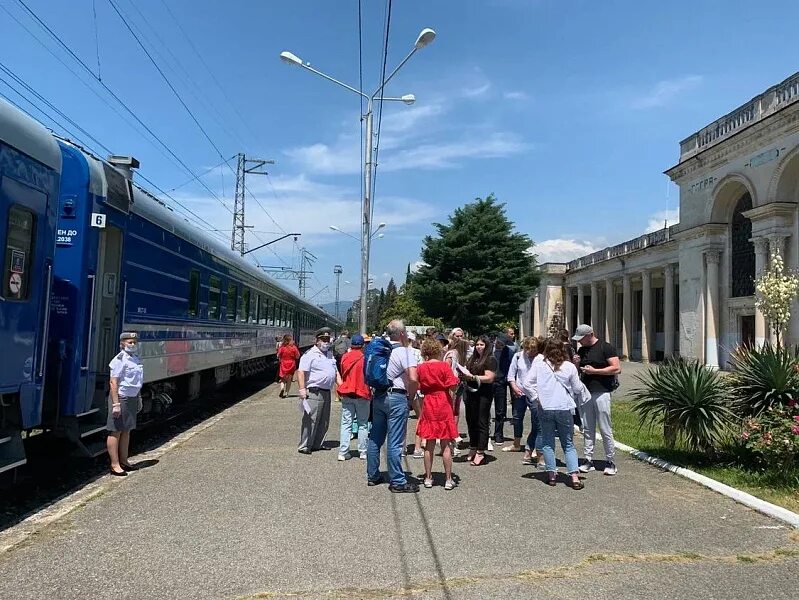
(119, 101)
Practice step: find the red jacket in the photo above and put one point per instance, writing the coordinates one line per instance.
(353, 381)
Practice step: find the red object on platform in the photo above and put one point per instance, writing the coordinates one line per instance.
(437, 421)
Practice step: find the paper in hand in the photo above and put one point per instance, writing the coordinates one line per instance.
(303, 406)
(464, 371)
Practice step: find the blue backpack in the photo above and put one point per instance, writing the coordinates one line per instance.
(375, 364)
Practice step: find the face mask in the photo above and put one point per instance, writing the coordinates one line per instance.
(324, 346)
(131, 349)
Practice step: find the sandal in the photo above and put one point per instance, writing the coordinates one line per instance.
(482, 458)
(552, 481)
(577, 485)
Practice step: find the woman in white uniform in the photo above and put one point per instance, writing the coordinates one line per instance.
(124, 401)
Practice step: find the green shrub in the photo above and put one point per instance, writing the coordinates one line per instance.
(774, 437)
(691, 402)
(763, 377)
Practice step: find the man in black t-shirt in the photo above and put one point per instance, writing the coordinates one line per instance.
(598, 362)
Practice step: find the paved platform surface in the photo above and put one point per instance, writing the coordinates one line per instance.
(236, 512)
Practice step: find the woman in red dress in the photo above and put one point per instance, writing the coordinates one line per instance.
(288, 355)
(438, 383)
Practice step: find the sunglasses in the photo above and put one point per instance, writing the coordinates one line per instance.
(324, 338)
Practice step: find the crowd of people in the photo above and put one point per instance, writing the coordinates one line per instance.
(564, 382)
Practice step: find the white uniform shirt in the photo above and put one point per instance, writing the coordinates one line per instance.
(129, 373)
(319, 368)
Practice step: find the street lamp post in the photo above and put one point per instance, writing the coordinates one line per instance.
(426, 36)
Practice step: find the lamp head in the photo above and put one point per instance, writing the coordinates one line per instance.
(334, 228)
(380, 226)
(426, 36)
(292, 59)
(409, 99)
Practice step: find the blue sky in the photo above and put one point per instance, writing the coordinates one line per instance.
(568, 111)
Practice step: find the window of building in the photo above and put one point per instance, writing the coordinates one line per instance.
(244, 305)
(214, 301)
(743, 250)
(194, 292)
(19, 253)
(232, 292)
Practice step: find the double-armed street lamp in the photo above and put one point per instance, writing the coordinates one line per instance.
(373, 235)
(425, 37)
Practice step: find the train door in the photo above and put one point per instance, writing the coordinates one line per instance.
(107, 301)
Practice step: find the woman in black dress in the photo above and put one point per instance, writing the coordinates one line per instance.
(479, 375)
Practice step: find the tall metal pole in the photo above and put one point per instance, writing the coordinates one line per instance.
(366, 225)
(237, 237)
(337, 271)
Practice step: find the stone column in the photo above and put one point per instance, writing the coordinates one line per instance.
(761, 260)
(595, 323)
(646, 315)
(626, 319)
(568, 308)
(609, 312)
(668, 316)
(712, 308)
(535, 318)
(580, 304)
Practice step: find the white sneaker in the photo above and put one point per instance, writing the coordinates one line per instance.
(587, 467)
(490, 445)
(428, 483)
(449, 484)
(363, 455)
(342, 458)
(611, 469)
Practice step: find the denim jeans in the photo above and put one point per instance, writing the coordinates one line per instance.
(562, 422)
(389, 425)
(520, 406)
(500, 390)
(353, 411)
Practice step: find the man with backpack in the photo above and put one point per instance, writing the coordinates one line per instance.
(390, 370)
(341, 346)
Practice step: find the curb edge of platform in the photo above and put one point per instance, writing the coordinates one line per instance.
(64, 505)
(767, 508)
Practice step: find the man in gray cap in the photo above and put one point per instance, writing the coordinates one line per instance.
(316, 376)
(598, 362)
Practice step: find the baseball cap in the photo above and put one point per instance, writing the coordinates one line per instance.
(582, 331)
(357, 340)
(128, 335)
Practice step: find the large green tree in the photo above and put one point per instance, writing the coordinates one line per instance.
(477, 270)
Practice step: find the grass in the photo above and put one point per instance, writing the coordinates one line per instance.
(626, 429)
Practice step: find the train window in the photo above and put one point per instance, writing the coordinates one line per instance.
(244, 305)
(253, 318)
(19, 259)
(194, 292)
(267, 311)
(214, 293)
(232, 292)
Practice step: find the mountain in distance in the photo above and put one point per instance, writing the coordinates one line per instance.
(343, 307)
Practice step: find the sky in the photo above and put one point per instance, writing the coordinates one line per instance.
(569, 112)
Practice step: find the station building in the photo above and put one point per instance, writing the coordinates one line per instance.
(688, 289)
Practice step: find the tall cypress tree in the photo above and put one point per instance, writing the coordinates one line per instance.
(477, 270)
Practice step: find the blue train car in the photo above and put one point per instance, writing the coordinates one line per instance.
(30, 166)
(124, 260)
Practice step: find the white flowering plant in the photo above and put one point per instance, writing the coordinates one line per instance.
(775, 291)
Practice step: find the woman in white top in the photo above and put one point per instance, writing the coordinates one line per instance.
(558, 384)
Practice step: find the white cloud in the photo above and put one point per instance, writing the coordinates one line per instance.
(561, 250)
(657, 221)
(448, 155)
(515, 95)
(665, 91)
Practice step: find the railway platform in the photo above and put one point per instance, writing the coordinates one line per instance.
(231, 510)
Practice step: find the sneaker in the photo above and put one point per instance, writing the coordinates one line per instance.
(587, 467)
(611, 469)
(428, 483)
(405, 488)
(418, 454)
(511, 448)
(456, 452)
(343, 457)
(449, 484)
(528, 460)
(373, 482)
(577, 430)
(363, 456)
(490, 445)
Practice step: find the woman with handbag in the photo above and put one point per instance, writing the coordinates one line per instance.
(479, 377)
(558, 384)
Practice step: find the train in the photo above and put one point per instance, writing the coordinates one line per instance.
(90, 253)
